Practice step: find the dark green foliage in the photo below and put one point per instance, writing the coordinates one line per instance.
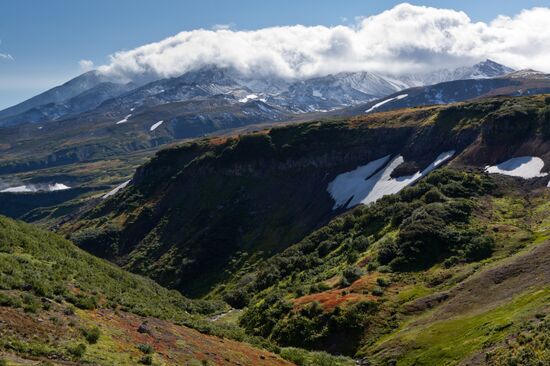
(9, 301)
(78, 350)
(350, 275)
(479, 248)
(311, 327)
(237, 298)
(91, 334)
(101, 242)
(145, 348)
(146, 360)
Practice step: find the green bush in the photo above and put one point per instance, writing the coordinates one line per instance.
(9, 301)
(350, 275)
(479, 248)
(91, 335)
(146, 360)
(77, 350)
(145, 348)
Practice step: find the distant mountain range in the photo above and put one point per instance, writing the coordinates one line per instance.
(92, 91)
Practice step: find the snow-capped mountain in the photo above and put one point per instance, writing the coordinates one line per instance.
(58, 94)
(522, 82)
(350, 88)
(91, 94)
(202, 83)
(335, 91)
(482, 70)
(83, 102)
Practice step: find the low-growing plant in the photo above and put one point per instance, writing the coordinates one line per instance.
(91, 334)
(145, 348)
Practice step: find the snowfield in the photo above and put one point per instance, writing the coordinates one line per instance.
(154, 127)
(379, 104)
(36, 188)
(116, 189)
(525, 167)
(125, 119)
(369, 183)
(248, 97)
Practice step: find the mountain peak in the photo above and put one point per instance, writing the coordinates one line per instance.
(489, 69)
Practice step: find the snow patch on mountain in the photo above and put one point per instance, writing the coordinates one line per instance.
(386, 101)
(36, 188)
(369, 183)
(116, 189)
(125, 119)
(154, 126)
(248, 97)
(525, 167)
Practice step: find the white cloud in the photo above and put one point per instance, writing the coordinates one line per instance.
(5, 56)
(86, 65)
(403, 39)
(223, 26)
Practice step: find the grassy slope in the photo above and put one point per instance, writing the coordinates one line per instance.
(438, 315)
(52, 294)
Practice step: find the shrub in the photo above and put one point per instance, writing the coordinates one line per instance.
(92, 335)
(378, 291)
(145, 348)
(30, 303)
(433, 195)
(146, 360)
(77, 350)
(238, 298)
(382, 282)
(479, 248)
(350, 275)
(6, 300)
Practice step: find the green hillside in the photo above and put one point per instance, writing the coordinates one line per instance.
(454, 269)
(59, 304)
(225, 203)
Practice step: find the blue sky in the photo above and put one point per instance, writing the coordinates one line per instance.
(46, 39)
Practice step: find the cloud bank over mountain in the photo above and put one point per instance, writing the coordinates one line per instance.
(404, 39)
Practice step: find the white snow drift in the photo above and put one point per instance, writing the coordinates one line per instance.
(386, 101)
(116, 189)
(248, 97)
(524, 167)
(125, 119)
(154, 126)
(363, 185)
(35, 188)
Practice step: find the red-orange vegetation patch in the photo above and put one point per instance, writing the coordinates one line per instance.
(220, 140)
(178, 344)
(332, 298)
(27, 326)
(360, 290)
(366, 282)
